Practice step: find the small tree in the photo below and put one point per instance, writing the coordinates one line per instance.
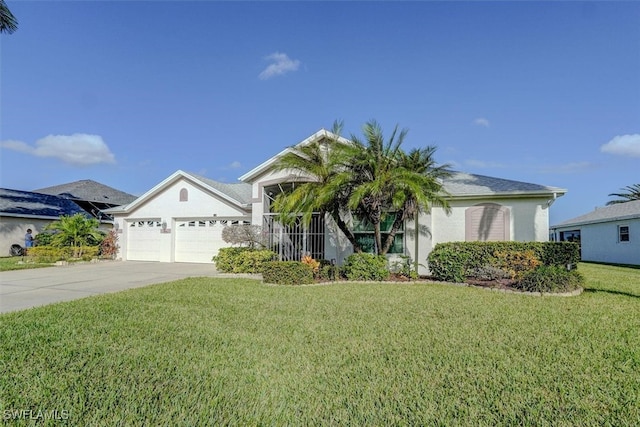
(244, 234)
(109, 245)
(76, 231)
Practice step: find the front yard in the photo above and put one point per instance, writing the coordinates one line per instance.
(237, 352)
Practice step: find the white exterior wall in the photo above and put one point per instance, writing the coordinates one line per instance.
(599, 242)
(167, 207)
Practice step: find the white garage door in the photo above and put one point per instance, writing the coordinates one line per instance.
(143, 240)
(200, 240)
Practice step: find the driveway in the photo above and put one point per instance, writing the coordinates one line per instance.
(21, 289)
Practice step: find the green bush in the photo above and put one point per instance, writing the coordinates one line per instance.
(550, 279)
(50, 254)
(287, 273)
(364, 266)
(448, 264)
(242, 259)
(453, 261)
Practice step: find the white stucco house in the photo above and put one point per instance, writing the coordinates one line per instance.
(609, 234)
(181, 219)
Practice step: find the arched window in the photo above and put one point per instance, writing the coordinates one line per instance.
(487, 222)
(184, 195)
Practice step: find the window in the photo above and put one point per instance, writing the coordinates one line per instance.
(364, 235)
(623, 233)
(184, 195)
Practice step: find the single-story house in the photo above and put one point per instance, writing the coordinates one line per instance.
(181, 218)
(609, 234)
(20, 210)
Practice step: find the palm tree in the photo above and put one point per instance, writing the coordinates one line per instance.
(385, 181)
(75, 231)
(632, 193)
(8, 22)
(317, 164)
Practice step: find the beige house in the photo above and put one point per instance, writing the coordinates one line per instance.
(181, 218)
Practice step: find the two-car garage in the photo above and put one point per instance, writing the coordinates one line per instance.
(191, 240)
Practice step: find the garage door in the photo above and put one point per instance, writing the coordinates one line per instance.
(143, 240)
(200, 240)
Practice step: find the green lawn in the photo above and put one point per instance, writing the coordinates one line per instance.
(19, 263)
(237, 352)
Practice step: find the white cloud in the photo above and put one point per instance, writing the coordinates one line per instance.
(480, 121)
(624, 145)
(235, 165)
(78, 149)
(280, 64)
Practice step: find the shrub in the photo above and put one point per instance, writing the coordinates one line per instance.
(448, 264)
(364, 266)
(488, 272)
(49, 254)
(109, 245)
(453, 260)
(242, 260)
(315, 265)
(516, 263)
(550, 279)
(287, 273)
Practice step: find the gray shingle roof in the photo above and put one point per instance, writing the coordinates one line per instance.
(26, 203)
(619, 211)
(463, 184)
(239, 191)
(91, 191)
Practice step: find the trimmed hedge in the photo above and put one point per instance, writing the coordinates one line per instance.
(287, 273)
(242, 260)
(50, 254)
(365, 266)
(453, 261)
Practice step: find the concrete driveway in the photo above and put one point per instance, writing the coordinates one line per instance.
(21, 289)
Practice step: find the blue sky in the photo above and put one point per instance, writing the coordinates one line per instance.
(126, 92)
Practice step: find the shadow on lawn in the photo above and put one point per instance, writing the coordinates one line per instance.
(607, 291)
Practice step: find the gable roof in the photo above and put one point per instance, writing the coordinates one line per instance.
(463, 185)
(236, 194)
(91, 191)
(617, 212)
(19, 203)
(265, 166)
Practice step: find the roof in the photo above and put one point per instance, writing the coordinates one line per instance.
(29, 204)
(265, 166)
(459, 185)
(238, 194)
(462, 184)
(617, 212)
(91, 191)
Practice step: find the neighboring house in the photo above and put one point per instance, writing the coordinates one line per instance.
(181, 219)
(91, 196)
(608, 234)
(20, 210)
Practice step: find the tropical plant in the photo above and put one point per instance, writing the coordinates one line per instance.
(76, 231)
(314, 169)
(374, 179)
(630, 192)
(8, 22)
(383, 180)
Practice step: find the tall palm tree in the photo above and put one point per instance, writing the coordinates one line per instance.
(385, 181)
(8, 22)
(315, 166)
(632, 193)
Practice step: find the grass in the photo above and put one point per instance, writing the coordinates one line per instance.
(19, 263)
(237, 352)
